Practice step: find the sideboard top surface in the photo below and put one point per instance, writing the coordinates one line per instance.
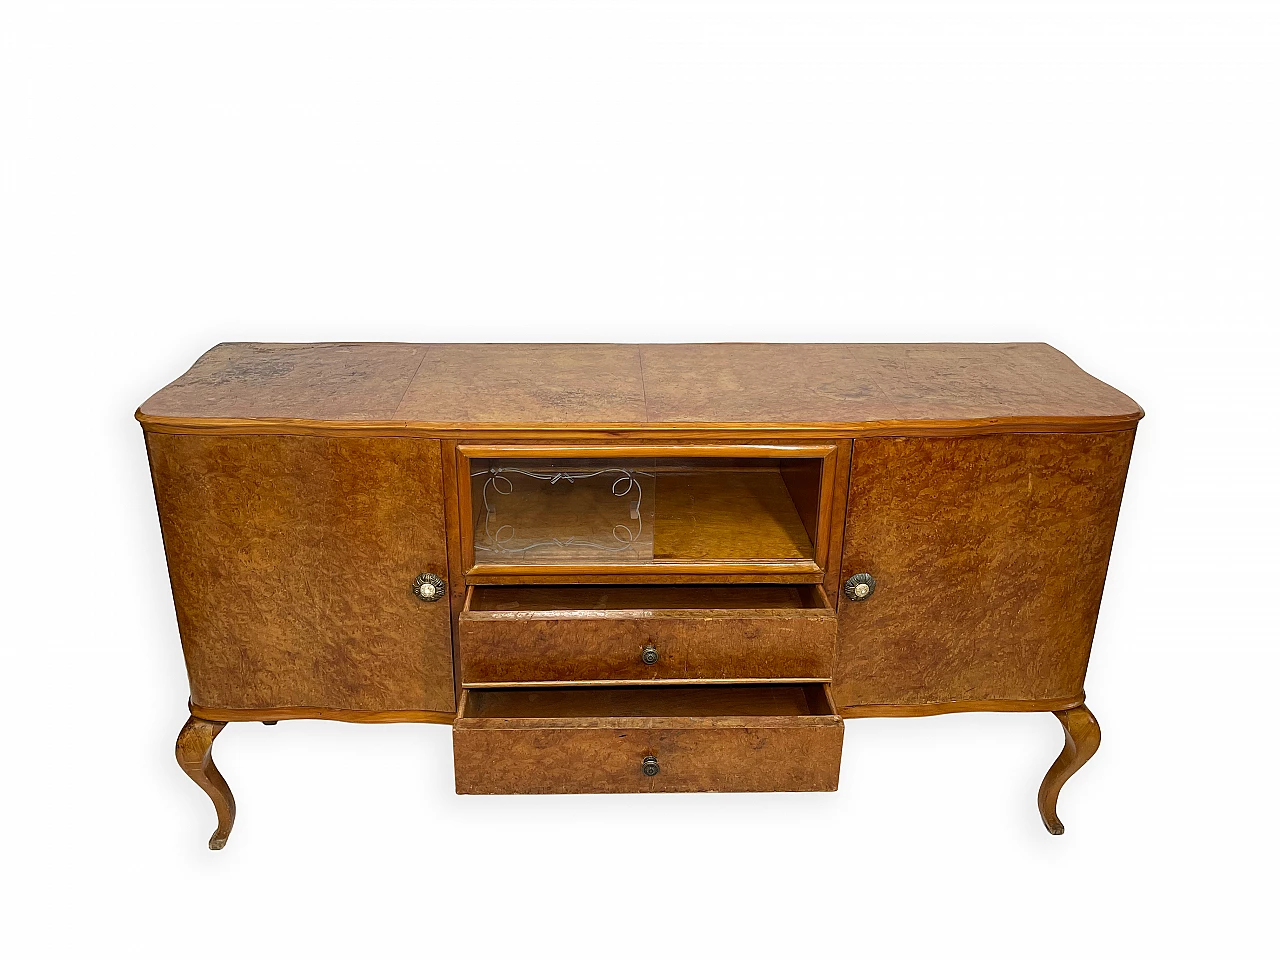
(900, 387)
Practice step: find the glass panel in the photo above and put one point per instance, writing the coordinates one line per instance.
(625, 511)
(563, 511)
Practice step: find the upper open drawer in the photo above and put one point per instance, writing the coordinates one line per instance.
(692, 510)
(511, 635)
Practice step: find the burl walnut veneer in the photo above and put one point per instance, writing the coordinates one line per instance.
(620, 568)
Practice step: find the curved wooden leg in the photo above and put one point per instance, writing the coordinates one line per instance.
(195, 756)
(1083, 736)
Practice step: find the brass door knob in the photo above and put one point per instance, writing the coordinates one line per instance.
(860, 586)
(649, 654)
(428, 587)
(649, 767)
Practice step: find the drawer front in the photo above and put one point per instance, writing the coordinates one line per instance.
(646, 754)
(635, 645)
(687, 647)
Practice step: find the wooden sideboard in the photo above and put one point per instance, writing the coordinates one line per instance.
(622, 568)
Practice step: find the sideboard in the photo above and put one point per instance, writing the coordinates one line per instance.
(636, 568)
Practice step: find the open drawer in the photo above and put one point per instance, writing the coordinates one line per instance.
(583, 634)
(630, 739)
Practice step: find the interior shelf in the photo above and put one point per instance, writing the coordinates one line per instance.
(743, 514)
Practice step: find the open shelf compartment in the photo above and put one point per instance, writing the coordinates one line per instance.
(593, 509)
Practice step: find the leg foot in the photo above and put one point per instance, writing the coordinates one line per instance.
(195, 756)
(1082, 738)
(269, 723)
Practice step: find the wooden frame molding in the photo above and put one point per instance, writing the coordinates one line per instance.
(959, 706)
(632, 431)
(272, 714)
(810, 570)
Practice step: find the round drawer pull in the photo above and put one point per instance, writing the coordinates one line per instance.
(428, 587)
(860, 586)
(649, 654)
(649, 767)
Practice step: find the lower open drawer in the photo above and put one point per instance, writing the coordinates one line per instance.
(628, 739)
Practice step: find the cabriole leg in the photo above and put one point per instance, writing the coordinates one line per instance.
(1082, 738)
(195, 756)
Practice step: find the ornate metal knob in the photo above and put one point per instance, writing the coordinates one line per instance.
(649, 767)
(649, 654)
(860, 586)
(428, 587)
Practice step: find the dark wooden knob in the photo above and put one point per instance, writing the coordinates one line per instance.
(649, 767)
(859, 586)
(649, 654)
(428, 587)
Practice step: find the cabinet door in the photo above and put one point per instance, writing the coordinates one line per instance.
(293, 562)
(989, 556)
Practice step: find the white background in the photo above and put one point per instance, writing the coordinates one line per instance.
(1101, 176)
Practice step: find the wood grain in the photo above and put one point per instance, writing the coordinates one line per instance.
(194, 751)
(453, 536)
(630, 432)
(539, 388)
(590, 644)
(864, 382)
(989, 555)
(959, 706)
(837, 501)
(316, 381)
(1083, 736)
(737, 515)
(740, 758)
(275, 714)
(292, 561)
(527, 382)
(503, 745)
